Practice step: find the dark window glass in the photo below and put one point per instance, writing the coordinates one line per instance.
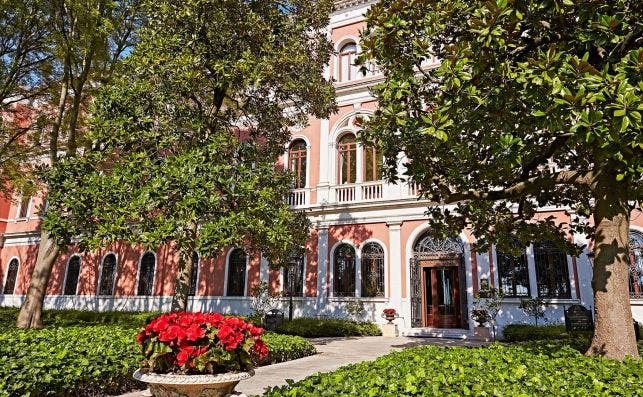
(146, 274)
(372, 164)
(73, 272)
(551, 271)
(347, 149)
(194, 278)
(298, 163)
(294, 276)
(107, 275)
(12, 277)
(513, 274)
(344, 271)
(636, 265)
(372, 270)
(237, 273)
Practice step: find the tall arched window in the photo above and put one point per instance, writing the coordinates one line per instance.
(71, 277)
(297, 162)
(636, 264)
(237, 273)
(347, 159)
(294, 276)
(25, 206)
(347, 69)
(372, 270)
(513, 274)
(146, 274)
(344, 271)
(107, 275)
(12, 277)
(194, 278)
(372, 164)
(552, 276)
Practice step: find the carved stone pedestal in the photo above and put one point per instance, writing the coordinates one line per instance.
(390, 330)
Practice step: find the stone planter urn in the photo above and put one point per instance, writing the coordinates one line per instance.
(171, 385)
(389, 317)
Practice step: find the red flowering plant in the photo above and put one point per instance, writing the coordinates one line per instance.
(200, 343)
(389, 312)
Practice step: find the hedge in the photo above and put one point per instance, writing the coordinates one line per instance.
(534, 369)
(327, 327)
(525, 333)
(90, 360)
(83, 317)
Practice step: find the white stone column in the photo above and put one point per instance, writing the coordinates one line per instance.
(325, 169)
(264, 270)
(322, 264)
(531, 266)
(394, 260)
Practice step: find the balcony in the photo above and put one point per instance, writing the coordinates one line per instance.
(353, 193)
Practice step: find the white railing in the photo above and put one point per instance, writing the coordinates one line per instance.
(297, 198)
(414, 189)
(344, 194)
(372, 191)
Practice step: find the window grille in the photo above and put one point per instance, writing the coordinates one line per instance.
(12, 277)
(146, 274)
(552, 275)
(344, 271)
(73, 273)
(237, 273)
(372, 264)
(108, 275)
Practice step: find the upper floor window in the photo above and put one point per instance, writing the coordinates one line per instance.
(107, 275)
(294, 276)
(72, 275)
(346, 68)
(344, 271)
(298, 162)
(552, 276)
(636, 264)
(372, 164)
(237, 273)
(12, 277)
(25, 206)
(372, 270)
(194, 278)
(513, 274)
(347, 159)
(146, 274)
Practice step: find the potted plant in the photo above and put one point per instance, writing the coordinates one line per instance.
(198, 354)
(389, 315)
(486, 307)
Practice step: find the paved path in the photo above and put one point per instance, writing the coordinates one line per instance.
(333, 353)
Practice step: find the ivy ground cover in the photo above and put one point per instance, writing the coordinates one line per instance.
(534, 369)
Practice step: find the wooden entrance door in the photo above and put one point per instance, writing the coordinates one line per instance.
(441, 293)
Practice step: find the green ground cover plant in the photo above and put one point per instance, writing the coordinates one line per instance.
(327, 327)
(83, 354)
(529, 369)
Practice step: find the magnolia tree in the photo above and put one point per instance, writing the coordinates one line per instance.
(531, 104)
(185, 141)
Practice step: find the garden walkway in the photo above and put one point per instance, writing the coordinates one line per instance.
(333, 353)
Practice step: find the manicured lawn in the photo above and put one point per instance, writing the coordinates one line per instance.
(529, 369)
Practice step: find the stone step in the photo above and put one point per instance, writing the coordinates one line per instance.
(447, 333)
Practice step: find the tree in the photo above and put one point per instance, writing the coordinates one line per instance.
(532, 104)
(185, 142)
(86, 41)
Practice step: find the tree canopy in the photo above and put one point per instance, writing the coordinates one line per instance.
(504, 107)
(185, 141)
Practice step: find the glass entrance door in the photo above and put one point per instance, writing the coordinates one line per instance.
(441, 294)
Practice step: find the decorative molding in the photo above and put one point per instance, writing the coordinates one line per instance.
(343, 4)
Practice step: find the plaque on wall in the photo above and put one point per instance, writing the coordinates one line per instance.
(578, 318)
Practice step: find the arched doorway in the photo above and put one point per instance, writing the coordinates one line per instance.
(438, 287)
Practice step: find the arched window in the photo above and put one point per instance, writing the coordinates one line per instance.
(71, 277)
(513, 274)
(636, 264)
(344, 271)
(237, 273)
(347, 159)
(12, 277)
(146, 274)
(372, 164)
(25, 206)
(347, 69)
(552, 276)
(297, 162)
(294, 276)
(107, 275)
(372, 270)
(194, 278)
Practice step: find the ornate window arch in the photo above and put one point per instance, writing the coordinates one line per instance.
(194, 278)
(146, 270)
(636, 264)
(428, 246)
(552, 275)
(344, 270)
(12, 277)
(107, 275)
(237, 264)
(298, 162)
(372, 265)
(72, 275)
(347, 70)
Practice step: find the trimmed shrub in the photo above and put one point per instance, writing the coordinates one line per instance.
(535, 369)
(286, 347)
(327, 327)
(526, 333)
(8, 317)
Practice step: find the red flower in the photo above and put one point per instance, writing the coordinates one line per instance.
(194, 333)
(260, 349)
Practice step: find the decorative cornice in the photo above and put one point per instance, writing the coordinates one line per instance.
(342, 4)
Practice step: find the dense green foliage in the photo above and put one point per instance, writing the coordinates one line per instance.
(525, 333)
(321, 327)
(535, 369)
(83, 353)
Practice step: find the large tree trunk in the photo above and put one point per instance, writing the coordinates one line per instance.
(614, 333)
(30, 315)
(182, 284)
